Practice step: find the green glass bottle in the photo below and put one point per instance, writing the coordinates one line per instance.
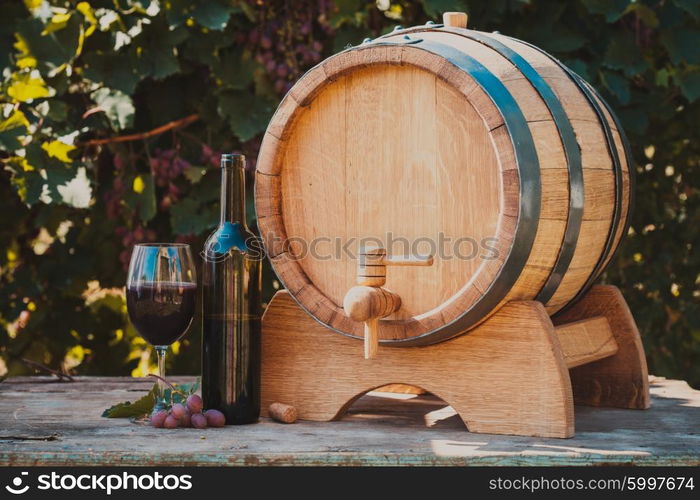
(231, 312)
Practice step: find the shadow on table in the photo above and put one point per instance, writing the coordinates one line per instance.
(603, 432)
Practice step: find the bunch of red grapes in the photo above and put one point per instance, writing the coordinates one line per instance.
(137, 234)
(286, 40)
(166, 166)
(188, 415)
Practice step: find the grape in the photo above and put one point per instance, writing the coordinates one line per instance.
(179, 164)
(254, 36)
(207, 151)
(158, 418)
(165, 203)
(178, 410)
(119, 162)
(170, 422)
(215, 418)
(194, 403)
(186, 420)
(169, 154)
(199, 421)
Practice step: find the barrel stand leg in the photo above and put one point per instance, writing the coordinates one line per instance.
(621, 380)
(507, 376)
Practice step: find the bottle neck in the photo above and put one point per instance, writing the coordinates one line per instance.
(233, 194)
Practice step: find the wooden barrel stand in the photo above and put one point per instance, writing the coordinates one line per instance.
(516, 373)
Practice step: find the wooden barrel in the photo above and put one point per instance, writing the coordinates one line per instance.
(438, 133)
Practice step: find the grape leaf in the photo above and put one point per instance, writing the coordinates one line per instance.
(247, 114)
(624, 54)
(11, 12)
(203, 48)
(154, 51)
(11, 128)
(689, 83)
(645, 14)
(611, 9)
(558, 38)
(59, 150)
(682, 45)
(194, 174)
(618, 85)
(51, 50)
(29, 185)
(177, 11)
(188, 217)
(141, 196)
(24, 87)
(235, 68)
(579, 67)
(634, 120)
(118, 107)
(77, 192)
(112, 69)
(55, 172)
(140, 407)
(58, 110)
(212, 14)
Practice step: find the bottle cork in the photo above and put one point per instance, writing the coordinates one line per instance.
(284, 413)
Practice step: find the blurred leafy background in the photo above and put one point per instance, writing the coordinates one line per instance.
(113, 113)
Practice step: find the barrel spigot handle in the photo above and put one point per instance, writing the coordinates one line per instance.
(369, 301)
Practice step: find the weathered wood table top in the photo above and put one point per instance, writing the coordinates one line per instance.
(43, 422)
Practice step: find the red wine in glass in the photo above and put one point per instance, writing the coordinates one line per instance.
(161, 311)
(161, 294)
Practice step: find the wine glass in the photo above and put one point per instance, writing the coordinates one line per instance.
(161, 293)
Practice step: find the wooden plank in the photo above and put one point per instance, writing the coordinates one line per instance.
(379, 429)
(586, 341)
(620, 380)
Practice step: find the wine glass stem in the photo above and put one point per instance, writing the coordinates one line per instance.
(161, 350)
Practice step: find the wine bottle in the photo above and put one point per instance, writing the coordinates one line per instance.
(231, 315)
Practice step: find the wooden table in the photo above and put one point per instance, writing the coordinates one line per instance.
(44, 422)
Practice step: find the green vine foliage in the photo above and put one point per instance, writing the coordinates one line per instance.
(78, 75)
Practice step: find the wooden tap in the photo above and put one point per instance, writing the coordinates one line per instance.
(369, 301)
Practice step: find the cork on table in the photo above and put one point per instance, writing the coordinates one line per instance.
(44, 422)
